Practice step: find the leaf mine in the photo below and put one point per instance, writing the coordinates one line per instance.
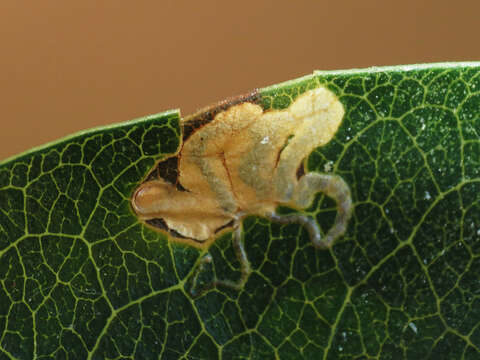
(247, 162)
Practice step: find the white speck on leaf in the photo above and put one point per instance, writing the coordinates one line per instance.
(207, 258)
(328, 166)
(265, 140)
(427, 195)
(413, 327)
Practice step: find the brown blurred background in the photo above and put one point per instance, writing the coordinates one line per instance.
(71, 65)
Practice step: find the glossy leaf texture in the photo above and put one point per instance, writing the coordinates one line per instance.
(81, 277)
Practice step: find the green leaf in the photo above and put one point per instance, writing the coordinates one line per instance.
(81, 277)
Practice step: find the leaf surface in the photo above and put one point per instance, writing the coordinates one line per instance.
(81, 277)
